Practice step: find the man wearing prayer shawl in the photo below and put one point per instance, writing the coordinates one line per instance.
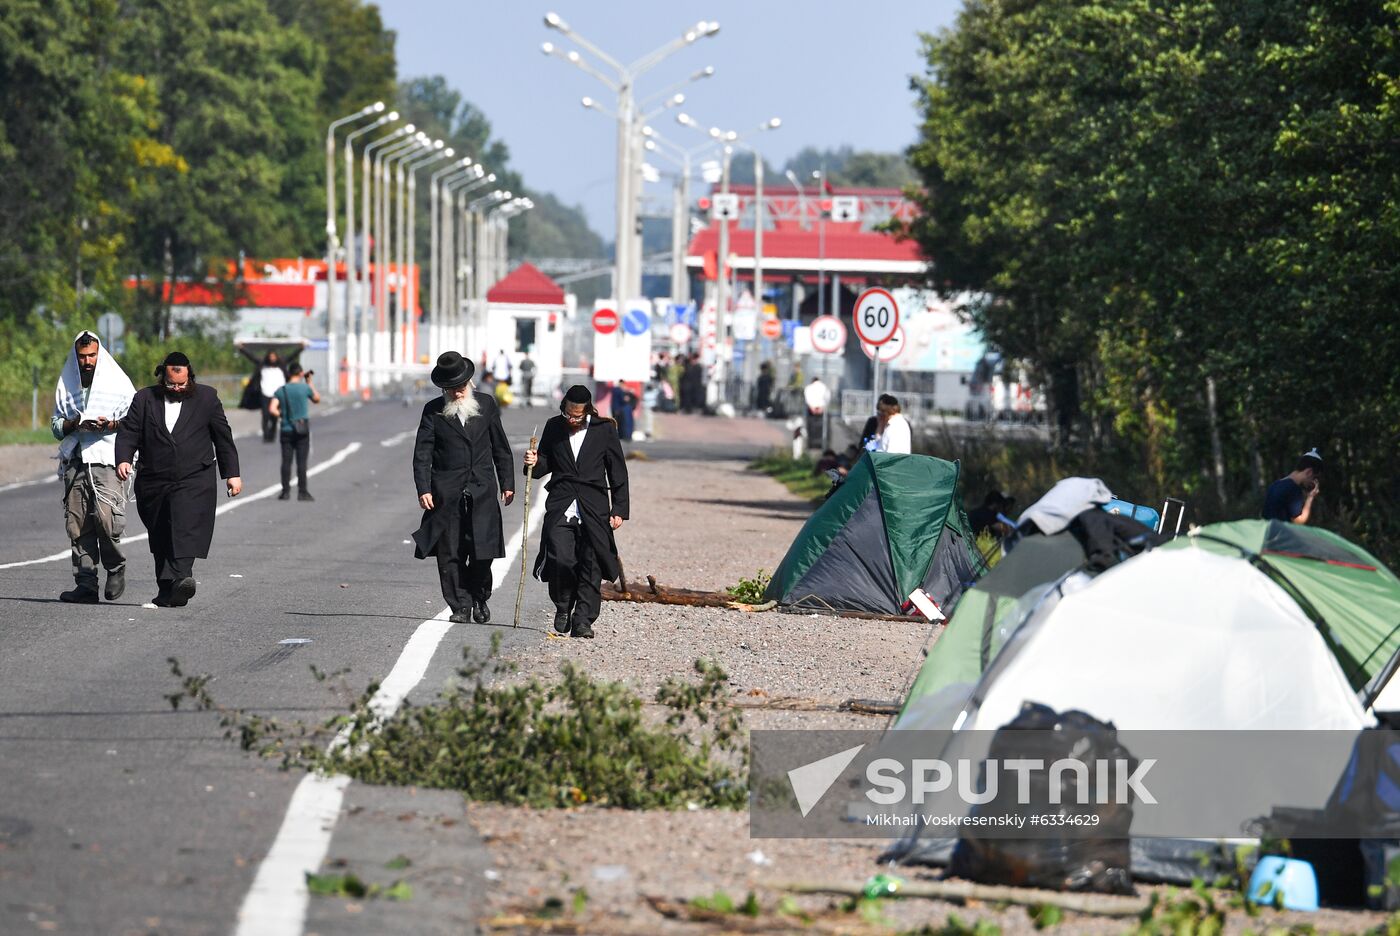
(92, 395)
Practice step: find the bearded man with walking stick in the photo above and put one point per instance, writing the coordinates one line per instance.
(460, 454)
(587, 502)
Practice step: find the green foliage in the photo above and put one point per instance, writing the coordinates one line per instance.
(954, 926)
(348, 885)
(571, 742)
(1153, 201)
(797, 475)
(750, 590)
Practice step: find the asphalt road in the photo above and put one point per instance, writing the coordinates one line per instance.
(119, 815)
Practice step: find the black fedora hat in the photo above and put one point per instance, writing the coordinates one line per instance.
(452, 370)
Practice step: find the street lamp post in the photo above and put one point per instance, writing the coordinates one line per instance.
(386, 347)
(332, 241)
(435, 316)
(413, 284)
(622, 83)
(369, 175)
(680, 226)
(358, 245)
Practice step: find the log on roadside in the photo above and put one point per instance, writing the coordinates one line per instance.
(964, 891)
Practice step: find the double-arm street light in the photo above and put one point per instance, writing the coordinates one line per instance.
(729, 139)
(680, 206)
(437, 229)
(369, 166)
(332, 240)
(455, 241)
(621, 79)
(357, 253)
(391, 203)
(413, 281)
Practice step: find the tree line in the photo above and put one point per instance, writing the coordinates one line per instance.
(1185, 218)
(161, 139)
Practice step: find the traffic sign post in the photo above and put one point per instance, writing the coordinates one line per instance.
(772, 329)
(888, 351)
(606, 321)
(876, 320)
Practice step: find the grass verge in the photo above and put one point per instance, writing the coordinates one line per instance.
(17, 436)
(796, 474)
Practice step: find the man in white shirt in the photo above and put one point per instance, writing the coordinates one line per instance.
(817, 396)
(896, 435)
(271, 378)
(500, 367)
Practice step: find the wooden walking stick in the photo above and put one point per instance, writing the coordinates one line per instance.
(525, 530)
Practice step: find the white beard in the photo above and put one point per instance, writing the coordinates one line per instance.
(463, 409)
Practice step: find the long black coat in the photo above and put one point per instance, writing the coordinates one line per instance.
(451, 461)
(598, 476)
(176, 475)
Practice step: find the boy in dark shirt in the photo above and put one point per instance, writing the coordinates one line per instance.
(1290, 498)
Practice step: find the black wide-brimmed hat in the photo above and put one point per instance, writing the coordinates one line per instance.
(452, 370)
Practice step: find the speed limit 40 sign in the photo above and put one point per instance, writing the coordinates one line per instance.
(876, 316)
(828, 334)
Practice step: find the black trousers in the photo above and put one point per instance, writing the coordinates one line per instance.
(575, 581)
(269, 421)
(300, 446)
(464, 580)
(170, 569)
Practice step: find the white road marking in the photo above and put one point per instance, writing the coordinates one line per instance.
(396, 439)
(15, 486)
(276, 903)
(233, 504)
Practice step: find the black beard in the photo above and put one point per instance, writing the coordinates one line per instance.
(85, 376)
(175, 396)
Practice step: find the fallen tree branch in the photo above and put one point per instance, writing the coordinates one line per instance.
(964, 891)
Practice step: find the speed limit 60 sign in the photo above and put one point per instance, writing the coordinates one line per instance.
(876, 316)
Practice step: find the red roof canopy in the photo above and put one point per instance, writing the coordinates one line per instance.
(847, 244)
(526, 285)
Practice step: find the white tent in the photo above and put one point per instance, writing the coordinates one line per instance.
(1175, 639)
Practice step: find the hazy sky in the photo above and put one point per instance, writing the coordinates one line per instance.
(835, 74)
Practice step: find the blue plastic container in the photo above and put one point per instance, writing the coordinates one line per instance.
(1144, 515)
(1287, 882)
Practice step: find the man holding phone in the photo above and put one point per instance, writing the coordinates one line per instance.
(93, 393)
(1291, 497)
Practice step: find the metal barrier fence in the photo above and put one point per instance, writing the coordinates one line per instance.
(918, 408)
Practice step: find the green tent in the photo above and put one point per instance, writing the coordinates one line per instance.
(895, 525)
(972, 637)
(1352, 597)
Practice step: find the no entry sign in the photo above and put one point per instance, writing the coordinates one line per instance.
(828, 334)
(772, 328)
(876, 316)
(606, 321)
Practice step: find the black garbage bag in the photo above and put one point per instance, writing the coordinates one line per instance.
(1071, 857)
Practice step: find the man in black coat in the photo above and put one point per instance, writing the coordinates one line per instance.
(459, 456)
(179, 430)
(581, 451)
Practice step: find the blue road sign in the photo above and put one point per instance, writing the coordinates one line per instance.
(636, 322)
(789, 328)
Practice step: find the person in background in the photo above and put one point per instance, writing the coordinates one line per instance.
(827, 462)
(92, 395)
(870, 434)
(896, 436)
(1291, 497)
(987, 517)
(763, 401)
(500, 367)
(817, 396)
(181, 433)
(292, 405)
(693, 385)
(527, 379)
(623, 404)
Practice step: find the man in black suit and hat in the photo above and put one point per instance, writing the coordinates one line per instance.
(179, 429)
(587, 501)
(459, 456)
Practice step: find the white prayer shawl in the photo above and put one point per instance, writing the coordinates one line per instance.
(110, 395)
